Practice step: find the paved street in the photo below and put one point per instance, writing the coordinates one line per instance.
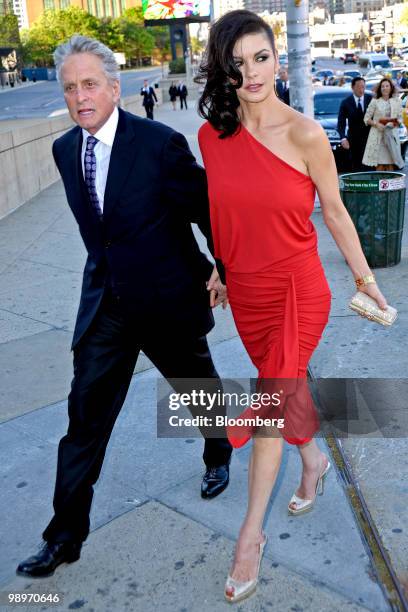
(45, 97)
(155, 545)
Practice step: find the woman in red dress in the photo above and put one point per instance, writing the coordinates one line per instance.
(264, 161)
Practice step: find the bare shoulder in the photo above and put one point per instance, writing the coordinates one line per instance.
(305, 132)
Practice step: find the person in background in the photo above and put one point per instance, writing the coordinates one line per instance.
(402, 81)
(383, 150)
(351, 113)
(183, 93)
(282, 85)
(149, 97)
(173, 93)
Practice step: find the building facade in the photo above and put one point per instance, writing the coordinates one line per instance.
(32, 9)
(270, 6)
(220, 7)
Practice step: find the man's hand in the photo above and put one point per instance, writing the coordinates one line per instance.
(218, 291)
(345, 143)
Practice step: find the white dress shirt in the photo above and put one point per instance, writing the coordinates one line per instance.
(356, 98)
(102, 150)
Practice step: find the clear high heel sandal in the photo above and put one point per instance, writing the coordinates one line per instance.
(305, 505)
(241, 590)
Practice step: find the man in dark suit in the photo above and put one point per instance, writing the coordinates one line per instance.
(402, 81)
(351, 114)
(134, 188)
(282, 85)
(182, 92)
(149, 97)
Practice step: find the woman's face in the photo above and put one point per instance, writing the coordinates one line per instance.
(257, 62)
(385, 88)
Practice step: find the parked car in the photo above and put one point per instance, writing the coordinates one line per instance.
(320, 74)
(350, 58)
(326, 102)
(371, 61)
(352, 73)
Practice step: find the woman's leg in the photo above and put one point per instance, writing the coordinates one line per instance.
(314, 464)
(262, 472)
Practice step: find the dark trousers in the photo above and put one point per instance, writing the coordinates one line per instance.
(183, 99)
(357, 148)
(104, 361)
(149, 111)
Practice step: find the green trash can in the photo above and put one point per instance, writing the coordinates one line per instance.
(376, 204)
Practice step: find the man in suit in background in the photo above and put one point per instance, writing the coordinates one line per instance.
(149, 97)
(351, 113)
(183, 93)
(282, 85)
(401, 80)
(134, 188)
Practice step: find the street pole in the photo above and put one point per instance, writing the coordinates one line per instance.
(299, 61)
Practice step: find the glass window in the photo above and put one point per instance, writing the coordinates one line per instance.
(49, 4)
(328, 104)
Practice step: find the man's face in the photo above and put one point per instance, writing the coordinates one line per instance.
(283, 74)
(89, 95)
(145, 83)
(359, 88)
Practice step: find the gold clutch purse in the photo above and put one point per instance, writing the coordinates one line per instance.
(365, 306)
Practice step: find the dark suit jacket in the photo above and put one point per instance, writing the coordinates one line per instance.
(182, 91)
(283, 94)
(145, 245)
(357, 130)
(149, 96)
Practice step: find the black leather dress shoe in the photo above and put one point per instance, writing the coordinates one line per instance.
(215, 480)
(50, 556)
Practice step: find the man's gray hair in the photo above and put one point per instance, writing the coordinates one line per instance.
(84, 44)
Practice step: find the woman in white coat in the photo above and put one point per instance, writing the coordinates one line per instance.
(383, 149)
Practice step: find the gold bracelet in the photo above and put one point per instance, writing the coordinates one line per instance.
(365, 280)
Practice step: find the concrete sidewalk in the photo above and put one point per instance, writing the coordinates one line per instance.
(155, 544)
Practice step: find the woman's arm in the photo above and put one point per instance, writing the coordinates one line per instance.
(322, 169)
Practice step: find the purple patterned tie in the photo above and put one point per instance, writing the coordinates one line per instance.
(90, 174)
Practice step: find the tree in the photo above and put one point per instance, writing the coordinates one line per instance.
(161, 35)
(54, 28)
(197, 45)
(9, 36)
(137, 41)
(110, 34)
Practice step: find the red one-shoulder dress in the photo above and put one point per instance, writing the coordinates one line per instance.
(260, 217)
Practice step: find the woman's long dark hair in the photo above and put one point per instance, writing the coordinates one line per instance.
(219, 101)
(378, 93)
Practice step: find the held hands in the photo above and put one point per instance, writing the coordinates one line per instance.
(380, 126)
(218, 291)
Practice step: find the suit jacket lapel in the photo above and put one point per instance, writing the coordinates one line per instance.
(121, 162)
